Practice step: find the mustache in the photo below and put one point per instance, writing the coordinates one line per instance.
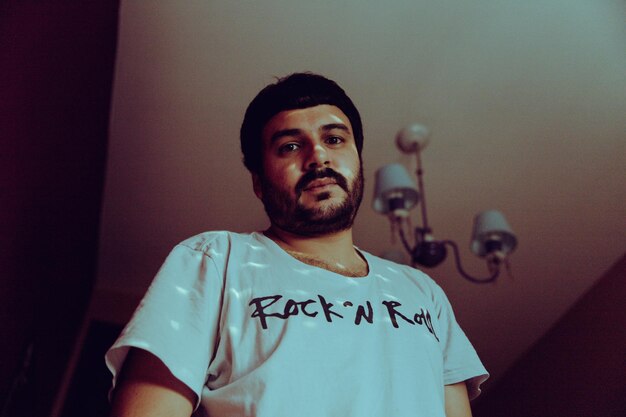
(321, 173)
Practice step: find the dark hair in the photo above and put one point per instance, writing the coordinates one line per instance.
(296, 91)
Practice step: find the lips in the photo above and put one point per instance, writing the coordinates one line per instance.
(319, 183)
(320, 178)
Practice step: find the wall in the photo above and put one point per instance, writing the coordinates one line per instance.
(56, 61)
(577, 368)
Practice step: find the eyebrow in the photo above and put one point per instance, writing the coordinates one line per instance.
(295, 132)
(333, 126)
(284, 132)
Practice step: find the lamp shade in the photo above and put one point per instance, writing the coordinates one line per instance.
(413, 138)
(492, 233)
(394, 189)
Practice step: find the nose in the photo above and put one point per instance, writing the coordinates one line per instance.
(317, 158)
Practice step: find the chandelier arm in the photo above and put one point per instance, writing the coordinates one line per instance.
(421, 188)
(405, 242)
(457, 259)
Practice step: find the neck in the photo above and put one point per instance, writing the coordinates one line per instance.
(335, 250)
(323, 246)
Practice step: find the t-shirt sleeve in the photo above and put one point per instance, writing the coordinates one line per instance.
(178, 318)
(461, 362)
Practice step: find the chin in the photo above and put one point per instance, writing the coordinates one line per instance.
(326, 204)
(326, 197)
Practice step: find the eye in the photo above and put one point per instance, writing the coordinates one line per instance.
(334, 140)
(288, 148)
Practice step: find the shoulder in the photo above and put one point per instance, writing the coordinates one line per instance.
(417, 277)
(211, 242)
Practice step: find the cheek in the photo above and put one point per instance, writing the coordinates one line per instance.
(282, 175)
(350, 167)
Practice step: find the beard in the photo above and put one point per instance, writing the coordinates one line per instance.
(290, 215)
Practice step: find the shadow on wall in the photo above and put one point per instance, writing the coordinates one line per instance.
(577, 368)
(57, 69)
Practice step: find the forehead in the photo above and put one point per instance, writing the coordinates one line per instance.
(307, 119)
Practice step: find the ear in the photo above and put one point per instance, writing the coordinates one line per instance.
(256, 185)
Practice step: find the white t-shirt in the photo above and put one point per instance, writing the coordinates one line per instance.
(255, 332)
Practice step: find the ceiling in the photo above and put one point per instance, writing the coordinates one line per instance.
(526, 102)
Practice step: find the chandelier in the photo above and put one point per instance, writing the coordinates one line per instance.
(395, 195)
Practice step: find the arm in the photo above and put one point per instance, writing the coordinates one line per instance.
(457, 402)
(147, 388)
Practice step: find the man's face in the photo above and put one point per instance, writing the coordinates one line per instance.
(312, 180)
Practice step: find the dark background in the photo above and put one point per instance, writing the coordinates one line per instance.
(56, 70)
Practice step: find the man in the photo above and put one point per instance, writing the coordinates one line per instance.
(294, 321)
